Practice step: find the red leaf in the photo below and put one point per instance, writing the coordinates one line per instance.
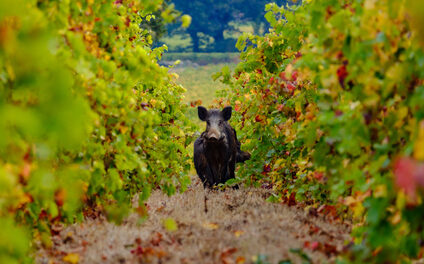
(60, 196)
(405, 177)
(328, 210)
(137, 251)
(280, 107)
(409, 174)
(292, 199)
(313, 229)
(283, 76)
(318, 175)
(291, 87)
(127, 21)
(311, 245)
(266, 169)
(294, 76)
(330, 249)
(342, 74)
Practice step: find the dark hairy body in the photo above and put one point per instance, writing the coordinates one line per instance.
(217, 149)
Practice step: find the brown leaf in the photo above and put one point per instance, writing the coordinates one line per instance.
(156, 239)
(240, 260)
(226, 255)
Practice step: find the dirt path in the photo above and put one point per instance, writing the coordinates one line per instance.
(238, 227)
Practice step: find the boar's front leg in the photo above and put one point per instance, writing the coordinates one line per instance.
(209, 181)
(200, 162)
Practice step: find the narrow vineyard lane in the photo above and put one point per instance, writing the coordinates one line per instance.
(239, 226)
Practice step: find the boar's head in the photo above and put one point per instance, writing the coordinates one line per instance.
(215, 122)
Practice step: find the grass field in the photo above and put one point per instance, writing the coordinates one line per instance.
(200, 85)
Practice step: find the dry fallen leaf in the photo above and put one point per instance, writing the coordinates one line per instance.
(210, 226)
(238, 233)
(226, 255)
(240, 260)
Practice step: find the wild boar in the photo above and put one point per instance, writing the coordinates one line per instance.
(217, 149)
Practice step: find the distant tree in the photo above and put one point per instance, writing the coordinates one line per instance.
(212, 17)
(208, 16)
(254, 11)
(157, 25)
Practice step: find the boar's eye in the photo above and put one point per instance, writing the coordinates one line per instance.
(221, 122)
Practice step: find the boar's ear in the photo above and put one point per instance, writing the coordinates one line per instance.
(226, 113)
(202, 112)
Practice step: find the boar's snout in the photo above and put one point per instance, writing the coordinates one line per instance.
(214, 135)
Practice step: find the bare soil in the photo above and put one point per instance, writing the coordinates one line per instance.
(239, 226)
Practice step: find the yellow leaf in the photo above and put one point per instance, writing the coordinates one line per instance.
(186, 20)
(238, 233)
(210, 226)
(278, 162)
(153, 102)
(349, 200)
(358, 210)
(46, 240)
(10, 72)
(396, 218)
(84, 186)
(401, 200)
(24, 198)
(175, 75)
(72, 258)
(369, 4)
(380, 191)
(123, 129)
(401, 114)
(170, 224)
(395, 72)
(419, 144)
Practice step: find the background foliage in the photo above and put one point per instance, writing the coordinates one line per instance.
(87, 116)
(330, 105)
